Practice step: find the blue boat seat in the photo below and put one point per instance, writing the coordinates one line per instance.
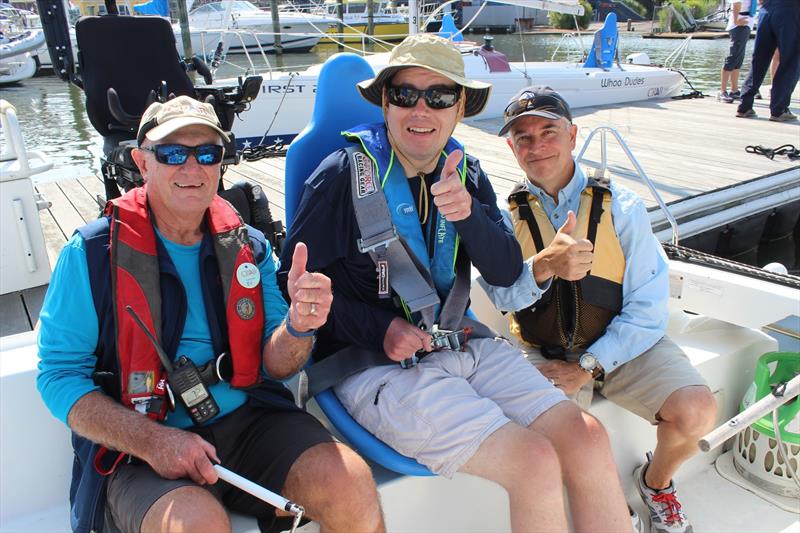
(449, 29)
(338, 106)
(604, 46)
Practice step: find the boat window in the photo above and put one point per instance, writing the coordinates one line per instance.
(206, 9)
(356, 8)
(122, 9)
(240, 5)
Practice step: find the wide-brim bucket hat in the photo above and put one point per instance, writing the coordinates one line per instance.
(435, 54)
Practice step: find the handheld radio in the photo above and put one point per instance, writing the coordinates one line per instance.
(184, 378)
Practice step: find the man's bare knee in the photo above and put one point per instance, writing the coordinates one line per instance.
(189, 509)
(516, 457)
(336, 487)
(693, 410)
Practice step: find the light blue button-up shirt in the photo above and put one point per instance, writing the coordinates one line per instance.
(645, 287)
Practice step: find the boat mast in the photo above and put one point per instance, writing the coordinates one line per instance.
(177, 9)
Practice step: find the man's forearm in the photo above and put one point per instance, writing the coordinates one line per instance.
(285, 354)
(104, 421)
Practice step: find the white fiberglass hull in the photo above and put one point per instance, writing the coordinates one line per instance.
(17, 68)
(286, 101)
(204, 41)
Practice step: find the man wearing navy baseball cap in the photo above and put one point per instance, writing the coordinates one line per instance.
(593, 312)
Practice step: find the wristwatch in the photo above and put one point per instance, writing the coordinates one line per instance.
(589, 363)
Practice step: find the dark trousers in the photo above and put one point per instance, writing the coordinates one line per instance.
(778, 27)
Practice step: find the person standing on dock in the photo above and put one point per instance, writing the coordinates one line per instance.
(178, 257)
(740, 24)
(591, 313)
(454, 399)
(778, 28)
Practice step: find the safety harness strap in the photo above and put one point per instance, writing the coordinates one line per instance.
(409, 278)
(395, 264)
(326, 373)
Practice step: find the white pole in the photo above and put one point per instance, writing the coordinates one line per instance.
(413, 17)
(275, 500)
(753, 413)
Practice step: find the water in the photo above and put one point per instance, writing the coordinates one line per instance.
(54, 121)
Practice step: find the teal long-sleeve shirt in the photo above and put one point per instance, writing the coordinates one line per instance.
(69, 328)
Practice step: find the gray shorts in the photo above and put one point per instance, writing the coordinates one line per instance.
(440, 411)
(258, 443)
(739, 37)
(641, 385)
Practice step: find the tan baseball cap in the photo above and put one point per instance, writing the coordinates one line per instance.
(162, 119)
(435, 54)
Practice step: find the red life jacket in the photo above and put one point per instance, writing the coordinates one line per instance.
(135, 283)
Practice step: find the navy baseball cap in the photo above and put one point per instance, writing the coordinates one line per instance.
(535, 101)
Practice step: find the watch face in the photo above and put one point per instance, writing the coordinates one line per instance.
(588, 362)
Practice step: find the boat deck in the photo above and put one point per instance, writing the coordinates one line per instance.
(687, 147)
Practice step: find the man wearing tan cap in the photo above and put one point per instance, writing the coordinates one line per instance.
(405, 203)
(146, 437)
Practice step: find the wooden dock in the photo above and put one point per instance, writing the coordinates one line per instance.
(686, 147)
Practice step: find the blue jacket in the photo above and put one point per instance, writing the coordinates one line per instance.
(325, 222)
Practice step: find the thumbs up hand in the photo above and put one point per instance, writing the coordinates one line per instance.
(449, 194)
(565, 257)
(569, 225)
(310, 293)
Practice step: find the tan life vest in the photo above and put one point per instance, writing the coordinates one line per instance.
(572, 314)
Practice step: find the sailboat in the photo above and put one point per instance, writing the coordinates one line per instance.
(286, 100)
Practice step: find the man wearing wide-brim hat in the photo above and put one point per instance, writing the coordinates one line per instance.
(451, 401)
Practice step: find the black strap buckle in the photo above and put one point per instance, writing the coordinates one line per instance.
(216, 370)
(441, 339)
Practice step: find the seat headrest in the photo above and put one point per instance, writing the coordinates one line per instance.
(338, 106)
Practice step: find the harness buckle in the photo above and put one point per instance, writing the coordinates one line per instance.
(446, 339)
(411, 362)
(441, 339)
(382, 240)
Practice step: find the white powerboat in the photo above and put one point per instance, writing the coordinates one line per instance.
(389, 24)
(286, 101)
(287, 98)
(19, 43)
(254, 27)
(17, 63)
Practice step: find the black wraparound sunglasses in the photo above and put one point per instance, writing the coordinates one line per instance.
(435, 97)
(178, 154)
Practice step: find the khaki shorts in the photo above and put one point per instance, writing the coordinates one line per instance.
(440, 411)
(641, 385)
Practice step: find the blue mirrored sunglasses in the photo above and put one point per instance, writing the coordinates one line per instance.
(178, 154)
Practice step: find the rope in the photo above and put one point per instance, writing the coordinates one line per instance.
(261, 151)
(694, 93)
(787, 149)
(687, 255)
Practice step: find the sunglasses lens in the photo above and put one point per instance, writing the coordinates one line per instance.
(441, 98)
(172, 154)
(403, 96)
(529, 101)
(208, 154)
(435, 98)
(177, 154)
